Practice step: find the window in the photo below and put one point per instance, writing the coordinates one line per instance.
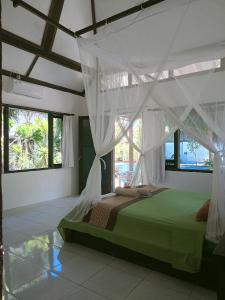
(198, 67)
(57, 140)
(170, 152)
(32, 139)
(151, 77)
(115, 80)
(184, 153)
(125, 156)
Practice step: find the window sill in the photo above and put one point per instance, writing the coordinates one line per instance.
(31, 170)
(190, 171)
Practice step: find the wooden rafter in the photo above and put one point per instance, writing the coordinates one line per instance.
(49, 31)
(21, 43)
(40, 82)
(38, 13)
(101, 23)
(93, 15)
(118, 16)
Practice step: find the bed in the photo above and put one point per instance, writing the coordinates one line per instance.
(162, 227)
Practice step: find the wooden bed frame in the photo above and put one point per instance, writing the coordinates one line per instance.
(207, 277)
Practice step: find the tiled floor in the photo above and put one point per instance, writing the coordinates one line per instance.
(39, 265)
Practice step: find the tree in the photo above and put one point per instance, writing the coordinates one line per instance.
(28, 139)
(192, 147)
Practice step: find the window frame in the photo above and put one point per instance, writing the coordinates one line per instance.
(175, 166)
(51, 116)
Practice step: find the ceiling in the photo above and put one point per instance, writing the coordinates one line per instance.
(75, 15)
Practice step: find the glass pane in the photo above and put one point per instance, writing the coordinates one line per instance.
(28, 139)
(194, 156)
(57, 140)
(115, 80)
(198, 67)
(150, 77)
(126, 157)
(169, 148)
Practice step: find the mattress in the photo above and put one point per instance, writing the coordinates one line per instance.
(162, 227)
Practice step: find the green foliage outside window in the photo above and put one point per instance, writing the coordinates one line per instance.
(28, 139)
(57, 140)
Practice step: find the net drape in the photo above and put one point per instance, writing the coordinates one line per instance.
(122, 69)
(67, 142)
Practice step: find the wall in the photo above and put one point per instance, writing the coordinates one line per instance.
(21, 189)
(26, 188)
(189, 181)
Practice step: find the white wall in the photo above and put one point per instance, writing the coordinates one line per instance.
(26, 188)
(21, 189)
(189, 181)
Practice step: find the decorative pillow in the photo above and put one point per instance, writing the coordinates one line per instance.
(202, 214)
(127, 191)
(147, 190)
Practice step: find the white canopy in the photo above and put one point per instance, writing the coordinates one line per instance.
(123, 66)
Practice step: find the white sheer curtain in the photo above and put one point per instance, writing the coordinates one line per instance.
(151, 165)
(122, 66)
(155, 132)
(68, 142)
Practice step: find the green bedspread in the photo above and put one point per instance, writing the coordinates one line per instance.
(162, 227)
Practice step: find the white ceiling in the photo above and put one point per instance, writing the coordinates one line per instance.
(76, 14)
(57, 74)
(22, 22)
(15, 60)
(108, 8)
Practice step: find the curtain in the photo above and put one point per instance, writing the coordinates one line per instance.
(109, 101)
(151, 165)
(68, 142)
(123, 67)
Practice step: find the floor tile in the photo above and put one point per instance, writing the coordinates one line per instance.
(47, 286)
(12, 222)
(147, 291)
(8, 296)
(200, 293)
(78, 269)
(17, 272)
(39, 252)
(82, 294)
(11, 237)
(163, 280)
(129, 267)
(54, 237)
(38, 264)
(112, 283)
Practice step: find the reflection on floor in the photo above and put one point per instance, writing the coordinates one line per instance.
(39, 265)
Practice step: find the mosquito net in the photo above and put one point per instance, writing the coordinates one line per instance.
(127, 69)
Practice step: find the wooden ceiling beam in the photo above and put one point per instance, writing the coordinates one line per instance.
(93, 15)
(40, 82)
(118, 16)
(42, 16)
(23, 44)
(49, 31)
(101, 23)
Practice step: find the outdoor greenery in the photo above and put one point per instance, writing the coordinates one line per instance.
(122, 149)
(28, 139)
(57, 140)
(192, 147)
(209, 163)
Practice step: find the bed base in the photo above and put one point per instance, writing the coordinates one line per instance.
(207, 277)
